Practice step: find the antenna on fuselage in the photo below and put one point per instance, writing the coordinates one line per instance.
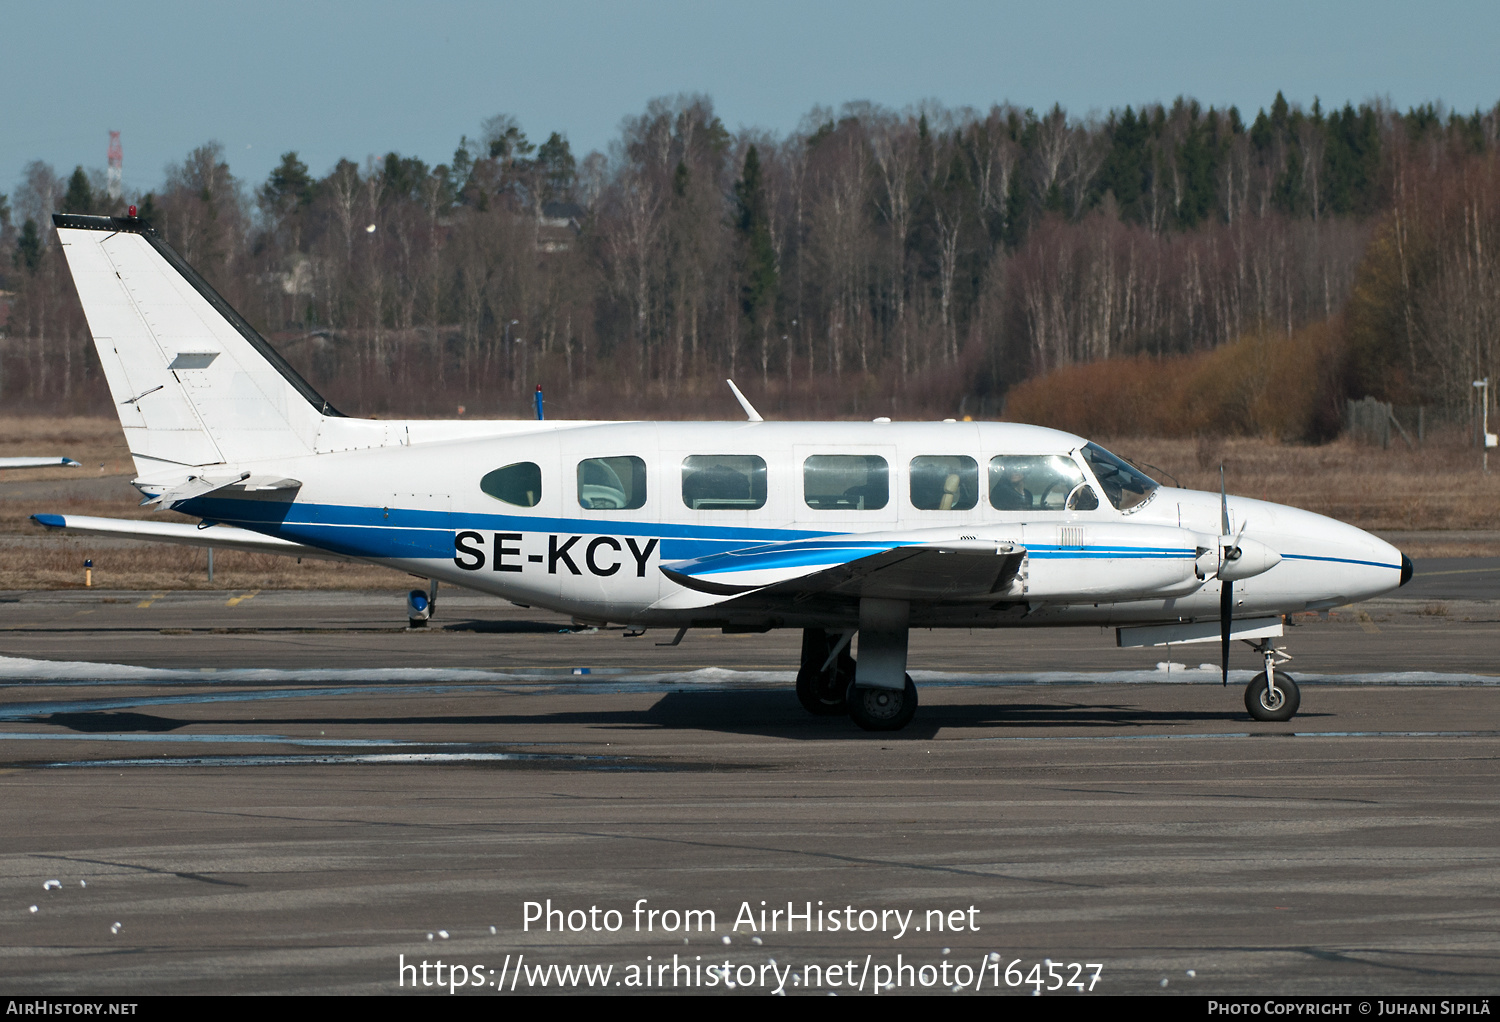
(750, 412)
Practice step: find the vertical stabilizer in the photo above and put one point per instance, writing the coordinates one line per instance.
(193, 383)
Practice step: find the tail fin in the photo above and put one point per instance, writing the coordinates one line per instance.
(193, 383)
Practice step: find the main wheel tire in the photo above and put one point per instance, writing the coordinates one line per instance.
(823, 694)
(883, 709)
(1261, 704)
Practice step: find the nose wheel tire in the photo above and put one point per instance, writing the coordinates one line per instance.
(883, 709)
(1265, 705)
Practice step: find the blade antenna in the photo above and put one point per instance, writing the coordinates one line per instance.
(750, 413)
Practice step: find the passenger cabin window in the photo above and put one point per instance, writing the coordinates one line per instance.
(724, 482)
(519, 484)
(1039, 483)
(944, 483)
(845, 482)
(612, 484)
(1124, 484)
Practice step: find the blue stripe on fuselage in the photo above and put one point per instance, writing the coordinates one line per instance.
(387, 532)
(394, 532)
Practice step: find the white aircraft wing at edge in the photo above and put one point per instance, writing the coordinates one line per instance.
(38, 462)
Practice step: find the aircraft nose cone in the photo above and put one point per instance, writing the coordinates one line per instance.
(1407, 569)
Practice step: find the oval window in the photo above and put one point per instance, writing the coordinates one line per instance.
(519, 484)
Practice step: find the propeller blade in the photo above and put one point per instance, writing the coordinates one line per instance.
(1226, 615)
(1223, 504)
(1232, 551)
(1226, 593)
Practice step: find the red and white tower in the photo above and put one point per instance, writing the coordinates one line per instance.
(116, 165)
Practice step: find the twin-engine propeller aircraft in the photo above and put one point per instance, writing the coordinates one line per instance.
(841, 529)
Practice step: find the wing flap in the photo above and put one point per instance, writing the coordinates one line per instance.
(933, 571)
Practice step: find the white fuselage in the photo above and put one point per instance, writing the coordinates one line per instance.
(406, 505)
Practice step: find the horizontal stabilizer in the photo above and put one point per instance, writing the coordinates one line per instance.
(224, 537)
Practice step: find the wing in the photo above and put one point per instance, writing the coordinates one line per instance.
(224, 537)
(36, 462)
(910, 568)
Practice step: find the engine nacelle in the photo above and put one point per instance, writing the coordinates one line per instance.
(1248, 559)
(1110, 562)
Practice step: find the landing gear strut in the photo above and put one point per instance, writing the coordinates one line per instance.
(1272, 695)
(876, 693)
(826, 673)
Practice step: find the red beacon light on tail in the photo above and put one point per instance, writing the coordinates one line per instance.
(131, 214)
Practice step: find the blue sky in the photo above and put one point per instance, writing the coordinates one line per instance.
(345, 78)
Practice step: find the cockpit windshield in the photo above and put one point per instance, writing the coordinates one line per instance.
(1124, 484)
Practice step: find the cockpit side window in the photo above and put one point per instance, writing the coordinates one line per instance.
(612, 484)
(519, 484)
(1123, 483)
(1034, 482)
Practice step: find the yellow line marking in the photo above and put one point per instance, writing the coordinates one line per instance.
(1456, 571)
(83, 612)
(146, 603)
(235, 601)
(1366, 623)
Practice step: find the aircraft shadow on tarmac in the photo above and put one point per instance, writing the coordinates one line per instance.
(512, 627)
(769, 714)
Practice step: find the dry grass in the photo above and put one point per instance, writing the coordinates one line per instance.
(98, 443)
(56, 562)
(1438, 489)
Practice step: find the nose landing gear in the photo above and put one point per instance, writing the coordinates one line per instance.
(1272, 695)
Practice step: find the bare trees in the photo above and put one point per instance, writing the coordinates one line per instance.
(923, 256)
(1426, 302)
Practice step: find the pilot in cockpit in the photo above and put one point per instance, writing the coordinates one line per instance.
(1009, 492)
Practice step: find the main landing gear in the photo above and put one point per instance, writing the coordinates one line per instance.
(883, 709)
(826, 685)
(1272, 695)
(827, 672)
